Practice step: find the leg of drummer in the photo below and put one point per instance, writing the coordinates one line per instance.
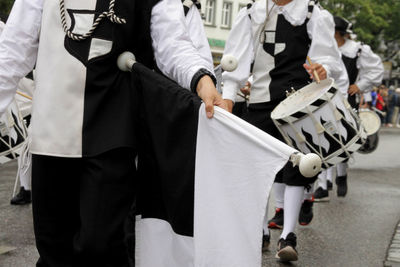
(322, 193)
(341, 179)
(279, 193)
(24, 195)
(288, 241)
(306, 212)
(329, 177)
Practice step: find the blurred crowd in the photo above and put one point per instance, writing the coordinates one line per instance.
(386, 102)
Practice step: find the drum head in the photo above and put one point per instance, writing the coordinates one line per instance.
(370, 121)
(301, 99)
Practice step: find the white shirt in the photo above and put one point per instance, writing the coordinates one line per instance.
(368, 63)
(198, 36)
(243, 41)
(341, 78)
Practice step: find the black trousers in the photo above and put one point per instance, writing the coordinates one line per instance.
(259, 115)
(80, 207)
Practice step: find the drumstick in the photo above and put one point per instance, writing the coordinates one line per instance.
(24, 95)
(314, 72)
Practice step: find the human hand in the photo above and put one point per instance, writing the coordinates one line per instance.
(208, 93)
(246, 89)
(316, 68)
(229, 104)
(353, 89)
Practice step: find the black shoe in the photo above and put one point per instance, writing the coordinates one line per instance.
(287, 248)
(341, 182)
(306, 212)
(321, 195)
(277, 221)
(330, 185)
(22, 198)
(266, 241)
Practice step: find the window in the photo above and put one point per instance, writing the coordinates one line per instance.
(210, 12)
(226, 15)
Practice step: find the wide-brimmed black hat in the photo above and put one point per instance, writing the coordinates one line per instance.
(342, 25)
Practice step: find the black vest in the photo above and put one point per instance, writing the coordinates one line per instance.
(288, 71)
(109, 106)
(352, 73)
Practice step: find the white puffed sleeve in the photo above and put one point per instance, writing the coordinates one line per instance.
(341, 78)
(19, 43)
(323, 49)
(240, 45)
(198, 35)
(370, 69)
(175, 53)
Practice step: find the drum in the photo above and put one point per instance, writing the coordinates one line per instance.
(317, 119)
(13, 133)
(372, 124)
(370, 121)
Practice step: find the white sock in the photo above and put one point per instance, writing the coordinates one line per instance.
(293, 199)
(265, 222)
(308, 192)
(341, 169)
(329, 174)
(322, 179)
(279, 191)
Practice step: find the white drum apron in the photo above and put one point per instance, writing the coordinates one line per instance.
(317, 119)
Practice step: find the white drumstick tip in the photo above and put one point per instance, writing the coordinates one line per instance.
(126, 60)
(310, 165)
(229, 63)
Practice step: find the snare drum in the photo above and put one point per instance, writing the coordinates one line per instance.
(317, 119)
(370, 121)
(372, 124)
(13, 133)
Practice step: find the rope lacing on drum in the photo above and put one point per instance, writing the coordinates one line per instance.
(110, 14)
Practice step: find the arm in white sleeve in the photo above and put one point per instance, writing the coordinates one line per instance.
(19, 43)
(342, 80)
(324, 49)
(174, 51)
(198, 36)
(240, 45)
(370, 69)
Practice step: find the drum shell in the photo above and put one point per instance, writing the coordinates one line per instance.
(328, 127)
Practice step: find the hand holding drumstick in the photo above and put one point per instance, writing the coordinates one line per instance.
(316, 71)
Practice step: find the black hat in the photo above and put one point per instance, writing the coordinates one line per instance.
(342, 25)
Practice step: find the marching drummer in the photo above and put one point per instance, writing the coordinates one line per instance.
(274, 38)
(364, 69)
(73, 147)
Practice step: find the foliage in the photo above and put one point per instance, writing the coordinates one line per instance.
(5, 6)
(376, 22)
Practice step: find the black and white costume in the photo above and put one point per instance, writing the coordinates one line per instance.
(364, 69)
(276, 49)
(83, 131)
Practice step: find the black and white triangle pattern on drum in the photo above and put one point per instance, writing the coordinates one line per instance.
(312, 107)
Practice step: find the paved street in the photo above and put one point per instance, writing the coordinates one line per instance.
(355, 231)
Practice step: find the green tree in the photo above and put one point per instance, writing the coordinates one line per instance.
(376, 22)
(5, 6)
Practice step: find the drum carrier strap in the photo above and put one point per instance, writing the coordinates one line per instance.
(110, 14)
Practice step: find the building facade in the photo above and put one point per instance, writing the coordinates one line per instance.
(218, 17)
